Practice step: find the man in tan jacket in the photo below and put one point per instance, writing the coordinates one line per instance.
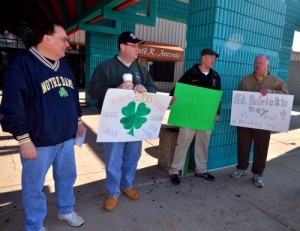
(265, 83)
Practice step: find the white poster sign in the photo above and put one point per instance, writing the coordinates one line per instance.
(271, 112)
(128, 116)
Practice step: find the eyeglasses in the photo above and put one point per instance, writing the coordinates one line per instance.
(132, 45)
(63, 39)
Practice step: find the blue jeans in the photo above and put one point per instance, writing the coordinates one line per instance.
(61, 157)
(121, 159)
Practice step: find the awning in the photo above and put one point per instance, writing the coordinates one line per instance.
(161, 52)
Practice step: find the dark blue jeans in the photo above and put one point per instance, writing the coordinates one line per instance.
(121, 159)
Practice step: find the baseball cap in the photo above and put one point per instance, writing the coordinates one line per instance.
(129, 37)
(208, 51)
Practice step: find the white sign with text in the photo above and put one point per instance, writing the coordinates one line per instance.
(271, 112)
(128, 116)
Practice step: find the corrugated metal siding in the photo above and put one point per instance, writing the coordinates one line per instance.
(165, 31)
(295, 56)
(168, 32)
(294, 77)
(78, 37)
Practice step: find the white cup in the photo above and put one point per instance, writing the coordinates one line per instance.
(127, 78)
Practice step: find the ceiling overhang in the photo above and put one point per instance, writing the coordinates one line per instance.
(112, 10)
(18, 16)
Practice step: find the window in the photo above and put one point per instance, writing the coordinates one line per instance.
(161, 71)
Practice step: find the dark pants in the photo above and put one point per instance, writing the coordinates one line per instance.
(261, 139)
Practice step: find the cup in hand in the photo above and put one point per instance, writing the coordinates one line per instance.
(127, 78)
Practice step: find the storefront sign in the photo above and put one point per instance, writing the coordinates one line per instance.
(161, 52)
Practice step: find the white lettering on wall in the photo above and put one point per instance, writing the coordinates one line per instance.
(159, 53)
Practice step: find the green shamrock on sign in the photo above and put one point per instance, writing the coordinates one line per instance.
(134, 119)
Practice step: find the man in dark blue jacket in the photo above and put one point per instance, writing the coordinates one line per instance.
(41, 110)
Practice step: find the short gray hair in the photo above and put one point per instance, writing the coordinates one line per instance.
(262, 56)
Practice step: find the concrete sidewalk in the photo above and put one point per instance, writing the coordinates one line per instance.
(195, 204)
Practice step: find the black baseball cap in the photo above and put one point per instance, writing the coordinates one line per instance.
(129, 37)
(208, 51)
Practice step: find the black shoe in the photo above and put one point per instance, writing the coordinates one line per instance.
(205, 176)
(175, 179)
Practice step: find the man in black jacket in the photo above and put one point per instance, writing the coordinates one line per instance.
(201, 75)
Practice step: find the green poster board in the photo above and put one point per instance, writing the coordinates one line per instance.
(195, 107)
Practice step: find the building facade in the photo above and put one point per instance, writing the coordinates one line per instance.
(237, 29)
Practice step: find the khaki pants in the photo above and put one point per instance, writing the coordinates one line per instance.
(185, 138)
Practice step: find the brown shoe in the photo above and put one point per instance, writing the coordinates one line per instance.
(131, 193)
(110, 203)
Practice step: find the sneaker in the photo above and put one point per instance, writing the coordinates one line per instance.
(205, 176)
(175, 179)
(238, 173)
(73, 219)
(110, 203)
(43, 229)
(258, 181)
(131, 193)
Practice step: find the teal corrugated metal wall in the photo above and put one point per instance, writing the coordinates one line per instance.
(238, 30)
(292, 20)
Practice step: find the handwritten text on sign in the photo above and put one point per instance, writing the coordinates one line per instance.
(271, 112)
(128, 116)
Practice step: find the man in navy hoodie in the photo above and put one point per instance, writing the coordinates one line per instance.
(41, 109)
